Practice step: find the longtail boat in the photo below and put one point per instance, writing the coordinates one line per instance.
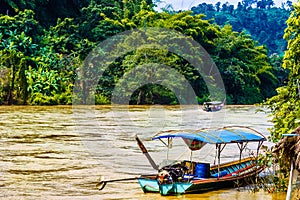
(188, 176)
(212, 106)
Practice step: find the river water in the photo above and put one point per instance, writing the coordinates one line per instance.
(60, 152)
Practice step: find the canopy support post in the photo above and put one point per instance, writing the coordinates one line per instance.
(242, 146)
(259, 146)
(169, 146)
(218, 153)
(219, 150)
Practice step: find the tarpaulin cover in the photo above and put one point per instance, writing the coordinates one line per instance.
(215, 136)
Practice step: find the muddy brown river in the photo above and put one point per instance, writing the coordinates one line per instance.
(60, 152)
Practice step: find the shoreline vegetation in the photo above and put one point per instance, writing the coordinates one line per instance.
(44, 44)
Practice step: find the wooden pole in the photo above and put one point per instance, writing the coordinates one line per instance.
(102, 184)
(219, 154)
(145, 152)
(289, 191)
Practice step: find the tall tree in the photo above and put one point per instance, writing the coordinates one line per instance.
(17, 50)
(244, 67)
(285, 106)
(264, 22)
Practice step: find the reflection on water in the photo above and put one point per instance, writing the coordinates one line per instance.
(60, 152)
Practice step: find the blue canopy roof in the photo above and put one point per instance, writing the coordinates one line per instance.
(215, 136)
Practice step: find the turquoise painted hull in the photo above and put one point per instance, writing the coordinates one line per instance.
(151, 185)
(148, 185)
(235, 173)
(175, 188)
(195, 186)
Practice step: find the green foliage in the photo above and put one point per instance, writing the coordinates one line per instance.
(277, 180)
(153, 94)
(204, 99)
(101, 99)
(285, 105)
(52, 79)
(42, 52)
(4, 84)
(263, 21)
(47, 12)
(17, 50)
(245, 67)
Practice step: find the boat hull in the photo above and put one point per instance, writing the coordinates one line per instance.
(149, 185)
(175, 188)
(212, 106)
(197, 186)
(238, 177)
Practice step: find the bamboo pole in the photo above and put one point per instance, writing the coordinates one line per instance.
(289, 191)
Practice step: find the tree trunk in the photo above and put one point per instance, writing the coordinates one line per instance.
(10, 99)
(140, 97)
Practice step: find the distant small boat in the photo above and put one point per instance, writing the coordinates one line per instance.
(187, 176)
(212, 106)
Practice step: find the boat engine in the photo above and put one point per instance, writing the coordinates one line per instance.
(171, 173)
(164, 177)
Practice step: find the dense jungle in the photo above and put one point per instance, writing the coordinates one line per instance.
(44, 42)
